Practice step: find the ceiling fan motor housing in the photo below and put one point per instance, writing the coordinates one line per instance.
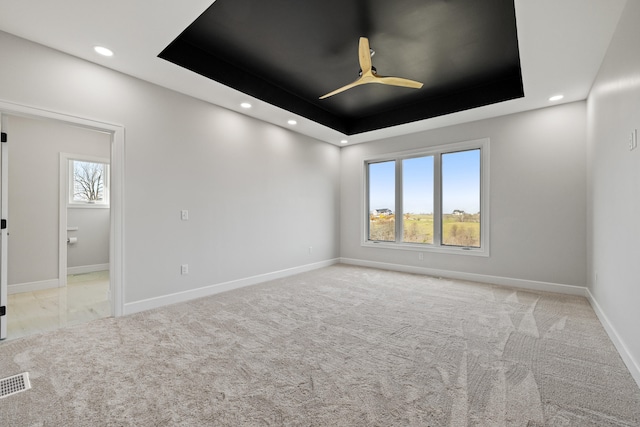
(373, 70)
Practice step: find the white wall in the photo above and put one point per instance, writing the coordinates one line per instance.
(34, 161)
(538, 197)
(258, 195)
(614, 188)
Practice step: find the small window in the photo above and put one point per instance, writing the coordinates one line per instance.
(382, 224)
(88, 183)
(417, 200)
(461, 198)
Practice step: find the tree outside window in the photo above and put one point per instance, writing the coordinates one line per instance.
(88, 182)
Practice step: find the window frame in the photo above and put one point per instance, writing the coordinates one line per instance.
(437, 246)
(71, 203)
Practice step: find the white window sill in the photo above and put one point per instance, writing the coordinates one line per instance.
(417, 247)
(87, 206)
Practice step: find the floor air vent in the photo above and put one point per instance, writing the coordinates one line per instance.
(14, 384)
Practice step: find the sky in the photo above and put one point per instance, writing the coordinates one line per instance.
(460, 183)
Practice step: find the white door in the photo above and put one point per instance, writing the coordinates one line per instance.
(4, 199)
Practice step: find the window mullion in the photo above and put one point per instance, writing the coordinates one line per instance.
(367, 204)
(398, 211)
(437, 199)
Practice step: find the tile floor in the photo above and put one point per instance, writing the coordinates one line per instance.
(84, 298)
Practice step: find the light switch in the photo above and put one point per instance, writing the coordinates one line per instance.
(184, 214)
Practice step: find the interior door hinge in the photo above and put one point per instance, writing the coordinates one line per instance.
(3, 224)
(3, 311)
(4, 137)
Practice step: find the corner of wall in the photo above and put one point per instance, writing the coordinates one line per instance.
(628, 359)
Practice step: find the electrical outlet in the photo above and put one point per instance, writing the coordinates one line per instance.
(184, 269)
(184, 215)
(420, 256)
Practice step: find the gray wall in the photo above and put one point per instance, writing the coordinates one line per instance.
(92, 248)
(614, 184)
(34, 162)
(537, 197)
(258, 195)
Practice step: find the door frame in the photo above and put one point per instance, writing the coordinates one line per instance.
(116, 212)
(4, 198)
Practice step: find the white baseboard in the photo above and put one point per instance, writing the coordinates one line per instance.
(19, 288)
(83, 269)
(148, 304)
(473, 277)
(632, 364)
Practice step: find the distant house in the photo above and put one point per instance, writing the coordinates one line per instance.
(384, 211)
(458, 212)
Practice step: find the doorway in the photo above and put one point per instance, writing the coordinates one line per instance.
(38, 274)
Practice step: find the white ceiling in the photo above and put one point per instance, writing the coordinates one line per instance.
(562, 44)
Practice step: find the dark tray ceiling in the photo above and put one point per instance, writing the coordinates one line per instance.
(289, 53)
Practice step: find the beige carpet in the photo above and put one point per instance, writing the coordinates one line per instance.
(340, 346)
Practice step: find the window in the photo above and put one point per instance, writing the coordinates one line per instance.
(433, 199)
(88, 182)
(382, 195)
(461, 198)
(417, 199)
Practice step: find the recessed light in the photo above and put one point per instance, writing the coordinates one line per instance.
(103, 51)
(344, 141)
(556, 98)
(245, 105)
(292, 122)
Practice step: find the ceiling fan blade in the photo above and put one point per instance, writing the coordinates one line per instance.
(343, 88)
(368, 75)
(364, 54)
(398, 81)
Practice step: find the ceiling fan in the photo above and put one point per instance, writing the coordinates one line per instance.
(368, 73)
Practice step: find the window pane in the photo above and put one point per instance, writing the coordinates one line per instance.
(88, 182)
(417, 199)
(382, 196)
(461, 198)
